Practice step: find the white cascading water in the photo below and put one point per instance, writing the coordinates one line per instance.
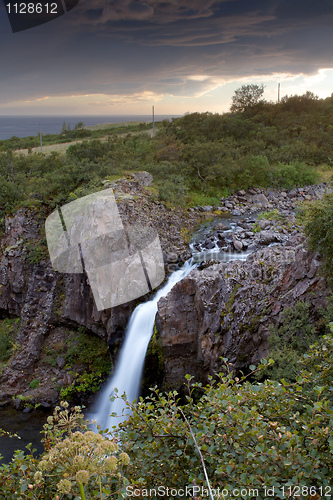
(127, 375)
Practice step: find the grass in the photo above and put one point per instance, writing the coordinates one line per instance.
(8, 332)
(325, 172)
(103, 126)
(120, 129)
(57, 148)
(196, 199)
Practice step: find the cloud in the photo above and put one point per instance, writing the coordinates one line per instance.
(131, 50)
(116, 100)
(155, 11)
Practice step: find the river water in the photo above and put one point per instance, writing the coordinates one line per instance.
(127, 375)
(27, 426)
(128, 372)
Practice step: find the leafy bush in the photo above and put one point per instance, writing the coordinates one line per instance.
(237, 435)
(34, 383)
(271, 215)
(250, 435)
(77, 462)
(318, 219)
(288, 341)
(255, 172)
(8, 332)
(286, 176)
(173, 190)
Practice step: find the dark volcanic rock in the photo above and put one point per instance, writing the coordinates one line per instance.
(51, 303)
(227, 309)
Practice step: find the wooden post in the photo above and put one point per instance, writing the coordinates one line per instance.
(40, 137)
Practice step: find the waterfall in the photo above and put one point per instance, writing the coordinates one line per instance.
(127, 375)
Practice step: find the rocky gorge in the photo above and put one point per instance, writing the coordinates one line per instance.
(221, 309)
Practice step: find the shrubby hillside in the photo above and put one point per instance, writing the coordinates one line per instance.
(194, 159)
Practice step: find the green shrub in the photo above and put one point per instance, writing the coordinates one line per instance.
(271, 215)
(250, 435)
(238, 434)
(286, 176)
(288, 341)
(8, 331)
(254, 173)
(318, 226)
(34, 383)
(173, 190)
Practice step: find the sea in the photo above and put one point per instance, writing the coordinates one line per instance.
(23, 126)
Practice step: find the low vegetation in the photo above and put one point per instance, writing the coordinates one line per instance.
(318, 225)
(290, 339)
(86, 359)
(269, 433)
(251, 436)
(195, 159)
(8, 332)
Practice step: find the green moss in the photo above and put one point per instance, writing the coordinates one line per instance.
(87, 359)
(34, 383)
(231, 299)
(13, 247)
(37, 250)
(271, 215)
(227, 308)
(186, 234)
(251, 326)
(59, 303)
(8, 331)
(87, 348)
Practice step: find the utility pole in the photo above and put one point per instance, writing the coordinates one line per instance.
(153, 121)
(278, 92)
(40, 137)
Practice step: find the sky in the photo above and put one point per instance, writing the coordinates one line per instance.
(121, 57)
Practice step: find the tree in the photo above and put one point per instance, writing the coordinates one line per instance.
(64, 128)
(246, 97)
(79, 125)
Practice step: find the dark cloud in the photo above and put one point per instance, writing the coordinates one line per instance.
(154, 11)
(123, 47)
(94, 14)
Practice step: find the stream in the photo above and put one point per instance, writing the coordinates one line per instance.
(26, 425)
(128, 372)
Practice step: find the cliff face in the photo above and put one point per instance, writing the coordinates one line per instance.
(226, 310)
(42, 298)
(53, 305)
